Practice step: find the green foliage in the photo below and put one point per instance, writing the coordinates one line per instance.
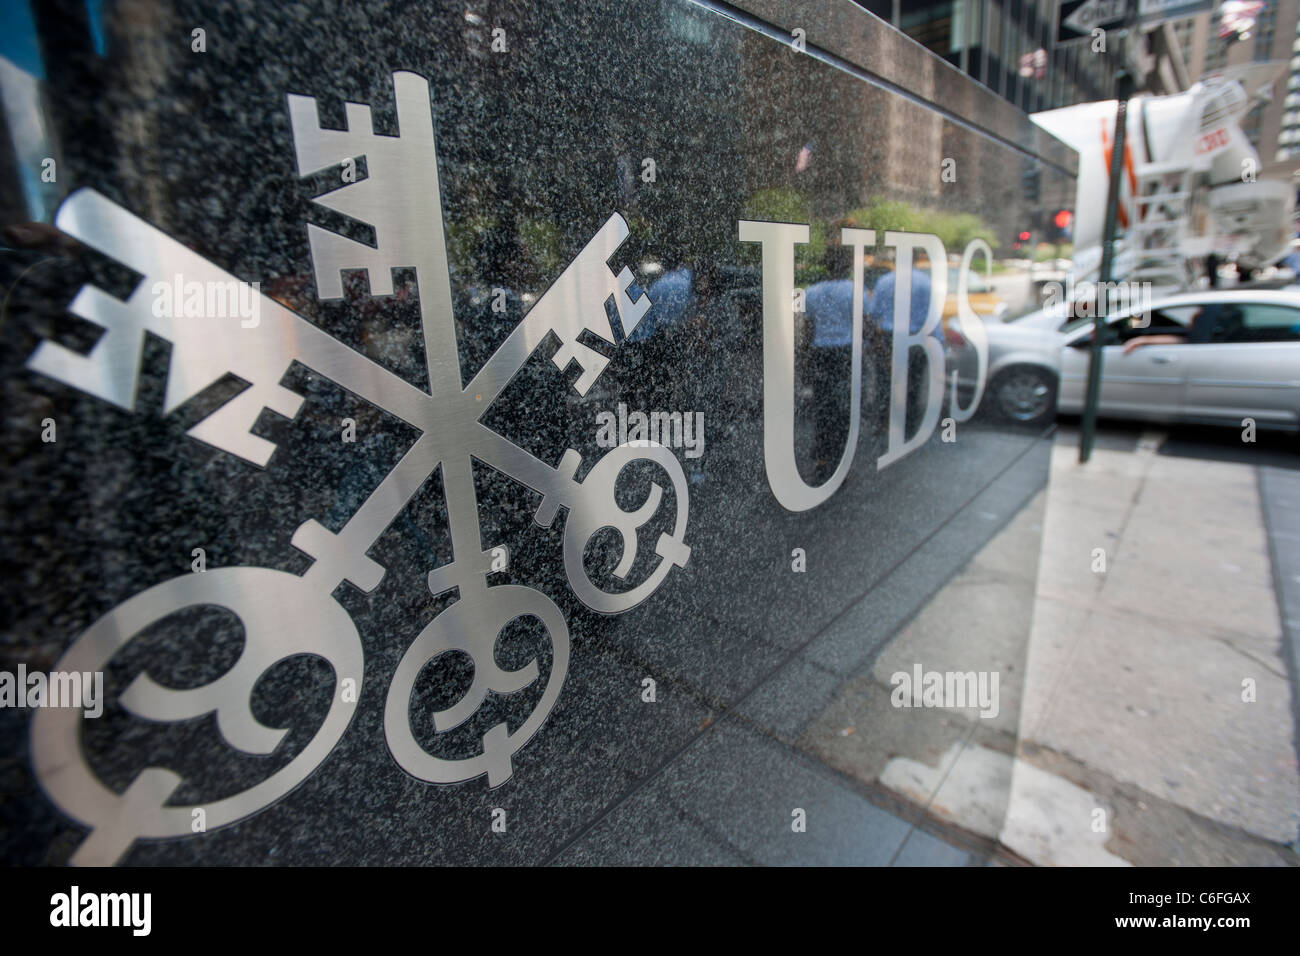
(1046, 250)
(540, 239)
(462, 240)
(784, 204)
(954, 229)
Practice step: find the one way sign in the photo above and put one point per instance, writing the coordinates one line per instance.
(1078, 18)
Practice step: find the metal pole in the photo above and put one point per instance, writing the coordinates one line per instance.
(1088, 426)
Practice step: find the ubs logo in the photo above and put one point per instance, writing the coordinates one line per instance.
(285, 614)
(778, 240)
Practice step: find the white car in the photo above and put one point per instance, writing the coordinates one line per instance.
(1213, 357)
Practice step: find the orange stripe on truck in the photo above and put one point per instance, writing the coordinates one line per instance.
(1128, 162)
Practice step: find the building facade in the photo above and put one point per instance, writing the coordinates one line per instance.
(1007, 46)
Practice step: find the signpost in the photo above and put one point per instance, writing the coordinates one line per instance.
(1077, 20)
(1091, 16)
(1088, 426)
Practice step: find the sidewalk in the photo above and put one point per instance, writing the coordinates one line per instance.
(1156, 725)
(1140, 678)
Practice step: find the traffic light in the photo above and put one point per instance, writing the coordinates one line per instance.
(1061, 222)
(1030, 182)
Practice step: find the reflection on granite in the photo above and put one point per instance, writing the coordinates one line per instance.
(537, 146)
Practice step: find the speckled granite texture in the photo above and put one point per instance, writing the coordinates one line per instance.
(537, 146)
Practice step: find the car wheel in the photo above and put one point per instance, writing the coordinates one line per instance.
(1025, 394)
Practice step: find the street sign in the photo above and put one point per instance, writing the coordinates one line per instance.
(1076, 19)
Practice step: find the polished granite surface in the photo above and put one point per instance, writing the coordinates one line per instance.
(538, 145)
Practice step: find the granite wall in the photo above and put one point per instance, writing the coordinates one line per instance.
(365, 576)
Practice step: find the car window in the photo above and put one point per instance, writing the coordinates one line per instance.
(1181, 314)
(1256, 322)
(1177, 318)
(1109, 334)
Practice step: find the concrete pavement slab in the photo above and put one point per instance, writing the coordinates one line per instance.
(1049, 821)
(1139, 679)
(1163, 708)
